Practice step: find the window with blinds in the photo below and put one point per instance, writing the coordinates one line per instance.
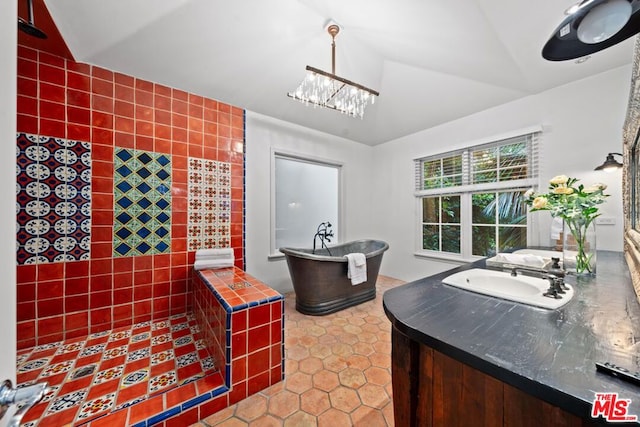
(471, 200)
(511, 162)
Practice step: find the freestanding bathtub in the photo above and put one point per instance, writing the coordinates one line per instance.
(320, 280)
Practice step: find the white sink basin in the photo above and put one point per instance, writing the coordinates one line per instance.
(500, 284)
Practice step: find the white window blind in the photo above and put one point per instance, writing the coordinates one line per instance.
(504, 164)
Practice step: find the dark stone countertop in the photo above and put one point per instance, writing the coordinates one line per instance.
(550, 354)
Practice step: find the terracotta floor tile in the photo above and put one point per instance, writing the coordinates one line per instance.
(373, 395)
(359, 362)
(284, 404)
(334, 418)
(266, 421)
(251, 408)
(325, 380)
(337, 372)
(366, 417)
(298, 382)
(300, 419)
(377, 376)
(310, 365)
(352, 378)
(314, 401)
(344, 398)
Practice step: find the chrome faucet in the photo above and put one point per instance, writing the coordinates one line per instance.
(555, 275)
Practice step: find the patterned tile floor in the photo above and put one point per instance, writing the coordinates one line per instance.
(337, 372)
(112, 370)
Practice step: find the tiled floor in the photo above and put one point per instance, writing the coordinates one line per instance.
(112, 370)
(337, 372)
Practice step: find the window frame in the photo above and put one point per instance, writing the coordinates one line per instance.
(274, 253)
(466, 190)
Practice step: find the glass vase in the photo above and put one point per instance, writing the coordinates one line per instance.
(579, 247)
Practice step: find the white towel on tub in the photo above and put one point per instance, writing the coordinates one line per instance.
(356, 268)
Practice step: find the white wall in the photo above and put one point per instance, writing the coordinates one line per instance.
(8, 79)
(264, 134)
(582, 122)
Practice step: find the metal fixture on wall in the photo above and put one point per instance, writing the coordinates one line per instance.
(28, 26)
(591, 26)
(323, 89)
(610, 164)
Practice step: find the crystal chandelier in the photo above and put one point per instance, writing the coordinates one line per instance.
(323, 89)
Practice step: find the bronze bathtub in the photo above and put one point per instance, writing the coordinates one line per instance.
(320, 280)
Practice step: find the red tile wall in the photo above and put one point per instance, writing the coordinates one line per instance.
(64, 99)
(243, 329)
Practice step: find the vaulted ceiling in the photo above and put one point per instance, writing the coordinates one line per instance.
(432, 61)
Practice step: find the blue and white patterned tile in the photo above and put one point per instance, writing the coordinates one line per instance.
(68, 348)
(142, 203)
(162, 381)
(135, 378)
(162, 357)
(21, 358)
(142, 325)
(183, 341)
(57, 368)
(49, 346)
(186, 360)
(160, 339)
(117, 336)
(94, 349)
(140, 337)
(207, 364)
(160, 325)
(179, 327)
(114, 352)
(47, 193)
(34, 364)
(99, 334)
(96, 406)
(67, 401)
(139, 354)
(108, 374)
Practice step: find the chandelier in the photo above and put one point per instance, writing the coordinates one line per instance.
(323, 89)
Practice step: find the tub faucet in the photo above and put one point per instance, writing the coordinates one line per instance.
(324, 233)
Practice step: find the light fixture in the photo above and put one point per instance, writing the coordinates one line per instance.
(610, 164)
(323, 89)
(591, 26)
(603, 21)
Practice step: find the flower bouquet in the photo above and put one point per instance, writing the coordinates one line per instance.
(577, 206)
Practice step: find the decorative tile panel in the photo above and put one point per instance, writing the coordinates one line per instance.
(142, 203)
(53, 199)
(209, 207)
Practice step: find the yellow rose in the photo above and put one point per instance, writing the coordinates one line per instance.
(591, 189)
(562, 190)
(539, 202)
(559, 180)
(529, 193)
